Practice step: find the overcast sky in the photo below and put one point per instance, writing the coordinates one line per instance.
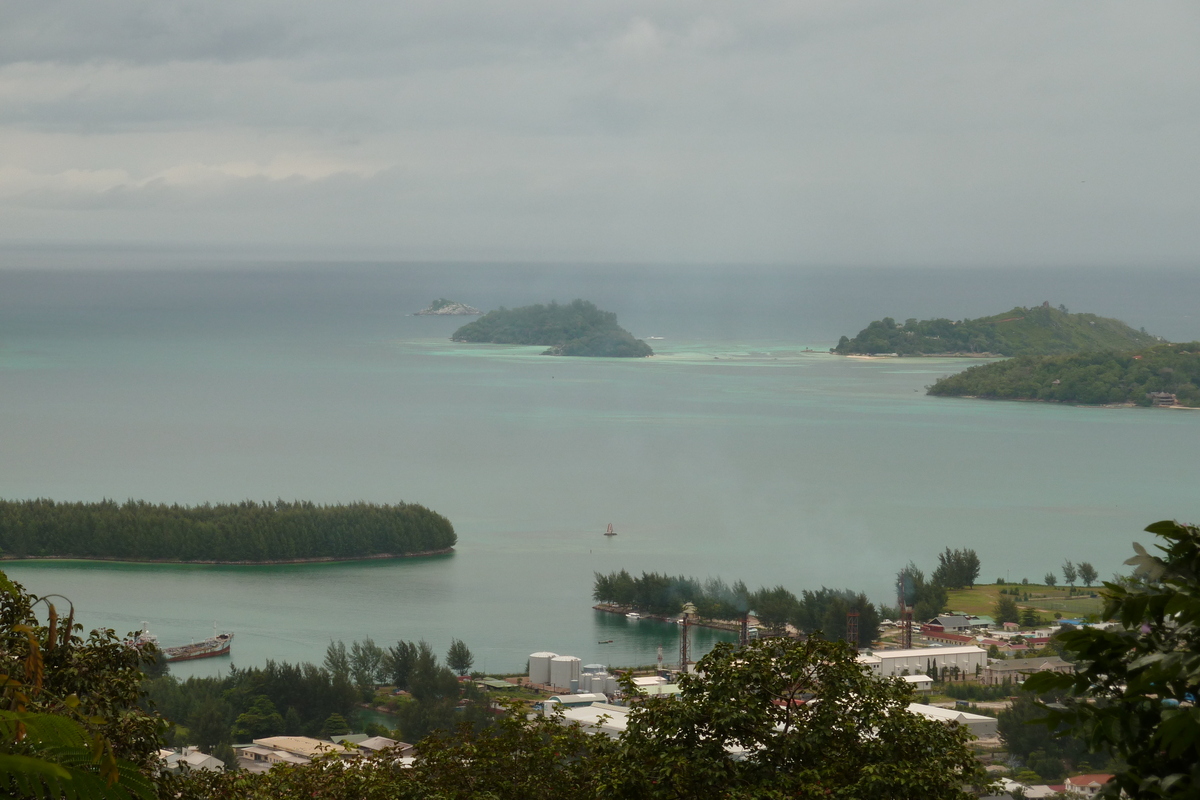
(791, 132)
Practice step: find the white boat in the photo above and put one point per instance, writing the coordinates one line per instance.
(633, 615)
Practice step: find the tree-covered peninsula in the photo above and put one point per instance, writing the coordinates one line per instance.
(1086, 378)
(241, 533)
(1041, 330)
(575, 329)
(823, 610)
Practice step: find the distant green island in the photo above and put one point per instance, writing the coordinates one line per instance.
(448, 308)
(1168, 374)
(241, 533)
(575, 329)
(1041, 330)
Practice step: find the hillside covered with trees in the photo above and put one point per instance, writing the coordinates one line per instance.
(1085, 378)
(575, 329)
(1041, 330)
(242, 532)
(320, 701)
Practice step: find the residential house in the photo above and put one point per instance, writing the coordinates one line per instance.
(1086, 785)
(1016, 670)
(950, 623)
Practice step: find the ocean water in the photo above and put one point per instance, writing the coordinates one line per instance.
(740, 450)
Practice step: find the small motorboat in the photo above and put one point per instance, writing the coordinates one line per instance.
(606, 641)
(633, 615)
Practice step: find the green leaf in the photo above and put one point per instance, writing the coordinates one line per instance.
(35, 776)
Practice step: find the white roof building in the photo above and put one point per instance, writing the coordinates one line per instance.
(570, 700)
(977, 724)
(921, 683)
(887, 663)
(612, 720)
(649, 680)
(602, 718)
(190, 758)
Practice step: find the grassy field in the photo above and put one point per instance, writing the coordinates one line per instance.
(1047, 599)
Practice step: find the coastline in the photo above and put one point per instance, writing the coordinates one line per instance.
(1056, 402)
(210, 562)
(919, 355)
(721, 625)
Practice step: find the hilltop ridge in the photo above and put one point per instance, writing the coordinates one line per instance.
(1041, 330)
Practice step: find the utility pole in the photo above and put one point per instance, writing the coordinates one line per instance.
(905, 612)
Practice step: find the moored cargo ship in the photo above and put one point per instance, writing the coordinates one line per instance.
(217, 645)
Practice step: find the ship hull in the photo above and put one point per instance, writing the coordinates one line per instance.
(209, 648)
(224, 651)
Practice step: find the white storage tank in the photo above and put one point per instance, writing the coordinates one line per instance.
(594, 668)
(610, 684)
(563, 670)
(585, 681)
(539, 667)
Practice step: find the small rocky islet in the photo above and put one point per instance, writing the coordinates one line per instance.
(448, 308)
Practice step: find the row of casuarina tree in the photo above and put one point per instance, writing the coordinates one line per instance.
(824, 609)
(235, 532)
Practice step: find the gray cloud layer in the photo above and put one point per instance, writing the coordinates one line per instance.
(795, 132)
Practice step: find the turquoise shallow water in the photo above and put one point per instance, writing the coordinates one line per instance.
(739, 455)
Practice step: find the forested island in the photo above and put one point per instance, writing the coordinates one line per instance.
(575, 329)
(242, 533)
(1041, 330)
(1086, 378)
(448, 308)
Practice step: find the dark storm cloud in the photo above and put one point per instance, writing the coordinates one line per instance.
(778, 131)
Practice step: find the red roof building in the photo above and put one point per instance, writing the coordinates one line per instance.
(1086, 785)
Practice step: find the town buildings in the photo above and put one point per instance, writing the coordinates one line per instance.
(267, 752)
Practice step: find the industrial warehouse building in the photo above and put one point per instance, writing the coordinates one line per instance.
(889, 663)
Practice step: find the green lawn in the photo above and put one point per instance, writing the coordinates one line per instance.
(982, 599)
